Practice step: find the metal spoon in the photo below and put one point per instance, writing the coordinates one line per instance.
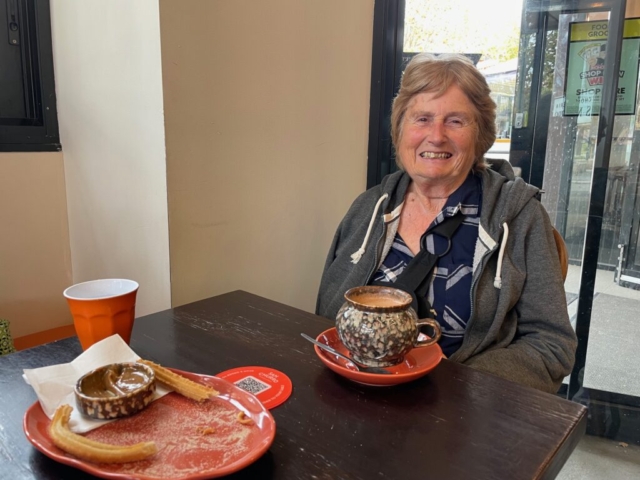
(361, 368)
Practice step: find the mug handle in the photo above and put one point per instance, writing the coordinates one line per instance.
(436, 328)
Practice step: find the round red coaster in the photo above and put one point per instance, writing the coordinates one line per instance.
(270, 386)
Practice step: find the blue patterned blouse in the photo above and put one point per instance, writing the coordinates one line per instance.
(450, 291)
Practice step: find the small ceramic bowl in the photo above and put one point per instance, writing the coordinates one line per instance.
(116, 390)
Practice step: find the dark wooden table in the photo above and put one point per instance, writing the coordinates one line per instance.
(455, 423)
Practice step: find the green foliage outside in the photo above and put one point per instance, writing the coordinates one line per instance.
(6, 343)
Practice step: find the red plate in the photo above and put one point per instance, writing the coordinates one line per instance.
(176, 424)
(417, 363)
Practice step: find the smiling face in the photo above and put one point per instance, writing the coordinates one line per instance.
(437, 141)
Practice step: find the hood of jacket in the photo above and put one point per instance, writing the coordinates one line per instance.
(503, 196)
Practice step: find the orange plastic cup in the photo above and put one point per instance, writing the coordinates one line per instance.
(101, 308)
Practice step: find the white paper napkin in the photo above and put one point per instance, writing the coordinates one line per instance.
(54, 384)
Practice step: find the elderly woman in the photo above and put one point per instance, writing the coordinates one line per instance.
(497, 288)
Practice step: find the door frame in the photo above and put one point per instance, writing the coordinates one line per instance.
(386, 68)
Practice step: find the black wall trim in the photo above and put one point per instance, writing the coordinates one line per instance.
(386, 63)
(38, 131)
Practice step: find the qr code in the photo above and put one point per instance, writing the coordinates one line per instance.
(252, 385)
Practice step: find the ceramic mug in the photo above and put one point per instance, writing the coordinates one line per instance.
(378, 326)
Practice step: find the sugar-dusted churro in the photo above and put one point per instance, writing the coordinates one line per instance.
(184, 386)
(90, 450)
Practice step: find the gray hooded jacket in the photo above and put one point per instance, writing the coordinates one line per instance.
(519, 327)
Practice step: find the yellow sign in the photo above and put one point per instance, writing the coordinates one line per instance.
(585, 31)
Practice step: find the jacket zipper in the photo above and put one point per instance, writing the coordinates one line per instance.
(474, 285)
(378, 253)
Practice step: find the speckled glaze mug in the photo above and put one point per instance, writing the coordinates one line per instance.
(379, 327)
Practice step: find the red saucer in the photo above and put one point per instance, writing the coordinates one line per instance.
(417, 363)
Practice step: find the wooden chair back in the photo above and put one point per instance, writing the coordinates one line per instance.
(562, 253)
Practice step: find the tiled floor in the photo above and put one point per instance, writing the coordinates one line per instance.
(600, 459)
(604, 283)
(612, 361)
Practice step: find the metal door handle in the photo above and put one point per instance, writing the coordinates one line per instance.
(13, 23)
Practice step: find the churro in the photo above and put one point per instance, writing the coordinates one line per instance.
(243, 419)
(184, 386)
(90, 450)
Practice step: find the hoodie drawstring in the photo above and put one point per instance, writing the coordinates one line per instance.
(356, 256)
(497, 282)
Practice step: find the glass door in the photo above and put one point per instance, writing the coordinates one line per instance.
(577, 136)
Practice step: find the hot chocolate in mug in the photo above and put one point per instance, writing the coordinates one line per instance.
(378, 326)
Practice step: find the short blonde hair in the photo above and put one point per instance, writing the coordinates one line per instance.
(427, 73)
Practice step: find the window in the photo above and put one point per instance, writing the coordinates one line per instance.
(28, 116)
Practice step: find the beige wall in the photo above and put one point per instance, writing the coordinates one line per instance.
(266, 121)
(266, 135)
(35, 264)
(109, 92)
